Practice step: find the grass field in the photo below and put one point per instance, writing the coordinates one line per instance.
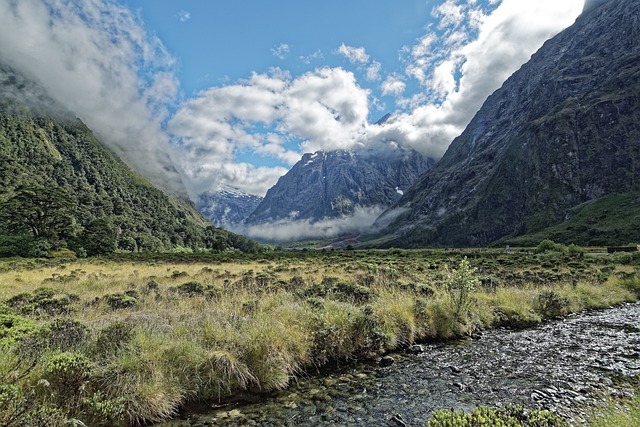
(125, 341)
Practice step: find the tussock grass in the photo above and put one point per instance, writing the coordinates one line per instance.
(157, 335)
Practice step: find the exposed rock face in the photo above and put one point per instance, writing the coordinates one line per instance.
(227, 207)
(592, 4)
(332, 184)
(563, 130)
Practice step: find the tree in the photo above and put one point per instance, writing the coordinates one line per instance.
(43, 212)
(99, 237)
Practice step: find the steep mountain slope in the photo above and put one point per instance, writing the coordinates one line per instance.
(48, 156)
(227, 207)
(333, 184)
(562, 131)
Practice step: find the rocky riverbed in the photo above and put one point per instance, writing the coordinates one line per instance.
(564, 365)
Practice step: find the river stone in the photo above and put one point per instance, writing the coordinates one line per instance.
(387, 361)
(416, 349)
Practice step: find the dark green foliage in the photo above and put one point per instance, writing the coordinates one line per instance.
(191, 288)
(120, 300)
(114, 337)
(510, 416)
(99, 237)
(611, 220)
(42, 302)
(24, 245)
(41, 211)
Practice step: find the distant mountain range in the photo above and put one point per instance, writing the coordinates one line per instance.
(227, 207)
(334, 184)
(562, 135)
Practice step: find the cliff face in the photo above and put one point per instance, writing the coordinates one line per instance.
(333, 184)
(563, 130)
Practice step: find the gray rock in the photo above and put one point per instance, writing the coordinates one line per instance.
(387, 361)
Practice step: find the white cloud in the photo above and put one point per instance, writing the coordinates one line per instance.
(183, 16)
(291, 229)
(281, 51)
(466, 60)
(355, 55)
(393, 85)
(373, 71)
(315, 56)
(97, 60)
(320, 110)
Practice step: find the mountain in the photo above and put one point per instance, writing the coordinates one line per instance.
(562, 132)
(333, 184)
(227, 207)
(62, 187)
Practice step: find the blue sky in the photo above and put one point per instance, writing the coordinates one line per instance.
(199, 94)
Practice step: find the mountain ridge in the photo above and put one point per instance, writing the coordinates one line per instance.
(333, 184)
(561, 131)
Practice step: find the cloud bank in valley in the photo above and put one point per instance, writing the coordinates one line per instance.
(291, 229)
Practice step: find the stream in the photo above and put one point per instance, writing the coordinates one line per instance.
(564, 365)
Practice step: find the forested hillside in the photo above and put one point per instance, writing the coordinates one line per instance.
(62, 188)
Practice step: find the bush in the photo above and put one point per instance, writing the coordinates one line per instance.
(551, 304)
(120, 300)
(65, 376)
(114, 337)
(460, 283)
(42, 301)
(551, 246)
(508, 417)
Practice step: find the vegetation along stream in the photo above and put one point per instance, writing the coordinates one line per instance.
(564, 365)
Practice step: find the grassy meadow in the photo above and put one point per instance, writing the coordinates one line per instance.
(129, 340)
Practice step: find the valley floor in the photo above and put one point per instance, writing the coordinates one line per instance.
(132, 340)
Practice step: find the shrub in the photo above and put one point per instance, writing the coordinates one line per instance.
(460, 283)
(190, 288)
(510, 416)
(120, 300)
(13, 328)
(65, 375)
(42, 302)
(551, 304)
(65, 333)
(114, 337)
(352, 292)
(551, 246)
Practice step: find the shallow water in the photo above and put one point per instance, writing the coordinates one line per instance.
(563, 365)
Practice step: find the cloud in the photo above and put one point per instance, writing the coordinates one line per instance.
(315, 56)
(393, 85)
(321, 110)
(458, 63)
(373, 71)
(469, 54)
(183, 16)
(291, 229)
(97, 60)
(281, 51)
(355, 55)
